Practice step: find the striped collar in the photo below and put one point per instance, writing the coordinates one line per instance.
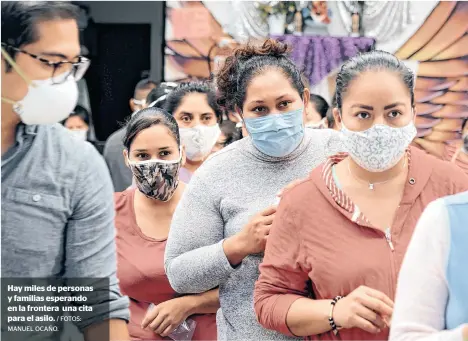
(339, 196)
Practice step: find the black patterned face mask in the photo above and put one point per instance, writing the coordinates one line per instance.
(157, 179)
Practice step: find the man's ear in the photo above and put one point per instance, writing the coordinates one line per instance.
(132, 105)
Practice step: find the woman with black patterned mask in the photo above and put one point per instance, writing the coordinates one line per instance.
(143, 216)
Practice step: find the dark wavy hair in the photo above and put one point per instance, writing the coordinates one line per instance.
(249, 61)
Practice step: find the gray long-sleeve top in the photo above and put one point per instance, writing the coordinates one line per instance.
(225, 192)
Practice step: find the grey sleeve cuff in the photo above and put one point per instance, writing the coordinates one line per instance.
(115, 308)
(225, 261)
(199, 270)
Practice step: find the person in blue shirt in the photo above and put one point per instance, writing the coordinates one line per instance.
(432, 297)
(57, 197)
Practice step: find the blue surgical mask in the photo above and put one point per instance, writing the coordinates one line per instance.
(276, 135)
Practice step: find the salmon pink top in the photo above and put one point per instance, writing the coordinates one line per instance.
(140, 269)
(322, 246)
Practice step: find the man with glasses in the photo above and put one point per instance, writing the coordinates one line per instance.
(57, 197)
(142, 89)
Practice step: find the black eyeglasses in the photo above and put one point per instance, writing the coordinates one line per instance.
(61, 69)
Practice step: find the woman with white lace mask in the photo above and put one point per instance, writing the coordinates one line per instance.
(345, 229)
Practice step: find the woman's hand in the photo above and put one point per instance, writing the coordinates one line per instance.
(364, 308)
(254, 234)
(167, 316)
(465, 332)
(251, 239)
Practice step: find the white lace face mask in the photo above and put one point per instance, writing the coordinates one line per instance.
(380, 147)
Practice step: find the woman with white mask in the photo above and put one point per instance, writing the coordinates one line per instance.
(345, 229)
(78, 123)
(198, 115)
(222, 222)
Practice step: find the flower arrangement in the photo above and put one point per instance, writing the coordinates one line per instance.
(267, 8)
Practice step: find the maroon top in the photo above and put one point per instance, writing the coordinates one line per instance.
(140, 269)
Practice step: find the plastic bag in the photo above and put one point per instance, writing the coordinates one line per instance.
(184, 332)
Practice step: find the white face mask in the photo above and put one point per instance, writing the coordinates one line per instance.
(199, 140)
(380, 147)
(316, 125)
(45, 102)
(81, 134)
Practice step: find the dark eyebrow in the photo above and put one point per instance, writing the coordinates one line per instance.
(281, 96)
(164, 148)
(257, 101)
(186, 113)
(390, 106)
(362, 106)
(140, 150)
(56, 54)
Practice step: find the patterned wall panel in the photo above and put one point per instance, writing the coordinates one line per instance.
(441, 48)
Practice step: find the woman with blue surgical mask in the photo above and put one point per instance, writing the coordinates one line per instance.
(198, 115)
(344, 230)
(221, 225)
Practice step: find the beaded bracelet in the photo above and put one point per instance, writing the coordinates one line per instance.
(330, 316)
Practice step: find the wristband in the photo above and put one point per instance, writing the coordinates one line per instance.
(333, 325)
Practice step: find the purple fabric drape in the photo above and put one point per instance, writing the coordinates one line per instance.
(320, 55)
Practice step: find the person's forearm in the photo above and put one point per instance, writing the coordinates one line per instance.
(234, 250)
(206, 303)
(308, 317)
(198, 270)
(109, 330)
